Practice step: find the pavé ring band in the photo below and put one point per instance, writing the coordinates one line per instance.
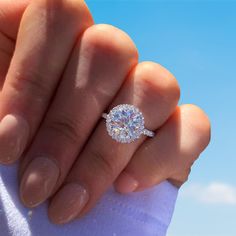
(125, 123)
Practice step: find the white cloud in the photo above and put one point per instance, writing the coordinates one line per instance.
(213, 193)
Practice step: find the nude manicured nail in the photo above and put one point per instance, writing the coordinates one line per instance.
(38, 181)
(68, 203)
(126, 183)
(14, 132)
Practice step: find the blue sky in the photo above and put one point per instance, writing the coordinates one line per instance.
(196, 41)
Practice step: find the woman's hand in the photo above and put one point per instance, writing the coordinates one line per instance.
(64, 73)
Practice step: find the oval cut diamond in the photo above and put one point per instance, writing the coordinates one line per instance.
(125, 123)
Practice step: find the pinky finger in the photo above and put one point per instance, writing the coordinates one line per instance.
(170, 154)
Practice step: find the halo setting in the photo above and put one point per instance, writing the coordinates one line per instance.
(125, 123)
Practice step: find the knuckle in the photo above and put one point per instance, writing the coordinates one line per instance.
(101, 162)
(200, 124)
(158, 167)
(111, 40)
(185, 176)
(6, 46)
(30, 83)
(181, 177)
(157, 80)
(65, 127)
(58, 4)
(71, 9)
(78, 8)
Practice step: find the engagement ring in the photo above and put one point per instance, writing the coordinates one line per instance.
(125, 123)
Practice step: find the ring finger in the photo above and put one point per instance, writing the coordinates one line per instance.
(155, 92)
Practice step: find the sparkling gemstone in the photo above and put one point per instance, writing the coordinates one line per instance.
(125, 123)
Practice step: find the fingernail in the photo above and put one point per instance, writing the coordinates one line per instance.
(38, 181)
(14, 132)
(126, 183)
(68, 203)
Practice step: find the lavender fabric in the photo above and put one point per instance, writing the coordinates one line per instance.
(145, 213)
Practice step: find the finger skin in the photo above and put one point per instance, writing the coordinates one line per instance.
(171, 153)
(41, 53)
(90, 82)
(154, 90)
(10, 16)
(6, 52)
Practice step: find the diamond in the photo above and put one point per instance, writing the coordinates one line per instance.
(125, 123)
